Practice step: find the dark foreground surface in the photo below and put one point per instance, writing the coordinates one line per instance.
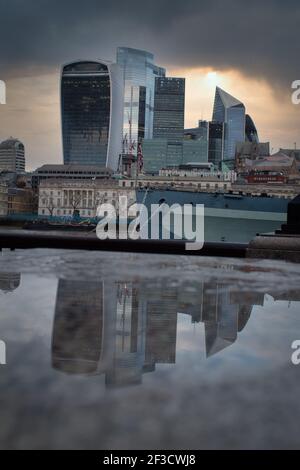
(116, 350)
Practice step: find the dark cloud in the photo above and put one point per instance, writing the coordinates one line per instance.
(259, 38)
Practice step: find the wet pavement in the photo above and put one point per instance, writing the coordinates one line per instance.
(113, 350)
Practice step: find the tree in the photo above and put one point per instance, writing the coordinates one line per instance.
(75, 201)
(49, 202)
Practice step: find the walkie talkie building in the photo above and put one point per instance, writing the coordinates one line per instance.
(92, 113)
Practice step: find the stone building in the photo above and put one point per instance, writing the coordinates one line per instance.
(66, 198)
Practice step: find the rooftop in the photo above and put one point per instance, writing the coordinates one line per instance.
(73, 168)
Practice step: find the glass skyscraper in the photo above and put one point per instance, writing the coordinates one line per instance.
(250, 129)
(139, 72)
(169, 108)
(211, 136)
(231, 112)
(92, 111)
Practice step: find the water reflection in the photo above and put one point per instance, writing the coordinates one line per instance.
(9, 281)
(124, 329)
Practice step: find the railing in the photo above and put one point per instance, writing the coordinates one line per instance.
(16, 239)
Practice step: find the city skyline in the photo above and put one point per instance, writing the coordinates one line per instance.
(42, 137)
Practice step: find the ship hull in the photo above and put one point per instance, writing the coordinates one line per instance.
(221, 205)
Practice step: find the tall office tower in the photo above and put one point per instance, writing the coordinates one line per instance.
(169, 109)
(231, 112)
(92, 112)
(216, 143)
(12, 155)
(250, 130)
(139, 72)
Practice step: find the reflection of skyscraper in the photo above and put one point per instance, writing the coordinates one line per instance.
(161, 327)
(78, 327)
(91, 107)
(139, 72)
(124, 329)
(9, 281)
(128, 338)
(231, 112)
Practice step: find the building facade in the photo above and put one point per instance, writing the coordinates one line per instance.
(184, 180)
(21, 201)
(70, 172)
(231, 112)
(12, 156)
(91, 113)
(211, 136)
(66, 198)
(139, 72)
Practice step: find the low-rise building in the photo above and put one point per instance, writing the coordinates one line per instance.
(205, 183)
(21, 201)
(70, 172)
(276, 163)
(204, 170)
(66, 198)
(250, 151)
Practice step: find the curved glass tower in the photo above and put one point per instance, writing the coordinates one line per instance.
(231, 111)
(251, 131)
(92, 113)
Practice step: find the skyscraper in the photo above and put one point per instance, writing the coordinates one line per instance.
(216, 142)
(231, 112)
(12, 155)
(91, 109)
(169, 108)
(210, 134)
(139, 72)
(250, 130)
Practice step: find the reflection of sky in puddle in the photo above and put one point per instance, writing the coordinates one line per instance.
(74, 342)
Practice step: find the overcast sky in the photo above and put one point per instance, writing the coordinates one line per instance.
(252, 49)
